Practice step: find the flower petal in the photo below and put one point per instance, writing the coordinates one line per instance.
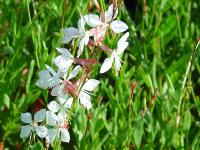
(117, 63)
(109, 13)
(90, 84)
(118, 26)
(85, 99)
(62, 99)
(68, 103)
(58, 90)
(81, 25)
(65, 137)
(74, 72)
(51, 118)
(40, 115)
(43, 81)
(68, 34)
(44, 74)
(25, 131)
(92, 20)
(53, 81)
(107, 64)
(64, 52)
(53, 106)
(63, 62)
(81, 46)
(41, 131)
(26, 118)
(122, 43)
(61, 119)
(51, 70)
(52, 133)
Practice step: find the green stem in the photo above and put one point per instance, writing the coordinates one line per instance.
(183, 87)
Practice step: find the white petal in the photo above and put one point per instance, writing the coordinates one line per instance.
(53, 81)
(63, 62)
(61, 119)
(64, 52)
(42, 83)
(123, 38)
(122, 43)
(118, 26)
(53, 106)
(62, 99)
(85, 100)
(92, 20)
(107, 64)
(117, 63)
(40, 115)
(68, 103)
(86, 38)
(26, 118)
(41, 131)
(25, 131)
(109, 13)
(65, 137)
(51, 70)
(68, 34)
(44, 77)
(90, 84)
(81, 25)
(81, 46)
(52, 133)
(51, 118)
(58, 90)
(74, 72)
(44, 74)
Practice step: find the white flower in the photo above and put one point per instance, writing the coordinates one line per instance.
(48, 78)
(100, 25)
(65, 60)
(81, 34)
(60, 89)
(69, 34)
(33, 126)
(62, 106)
(93, 20)
(56, 80)
(84, 95)
(59, 127)
(121, 46)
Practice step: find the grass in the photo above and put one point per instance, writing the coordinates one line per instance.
(139, 109)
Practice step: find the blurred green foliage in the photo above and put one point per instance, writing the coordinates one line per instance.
(163, 34)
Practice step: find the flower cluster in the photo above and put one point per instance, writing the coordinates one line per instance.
(70, 81)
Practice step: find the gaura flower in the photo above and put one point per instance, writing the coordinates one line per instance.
(58, 127)
(62, 105)
(102, 24)
(84, 95)
(48, 78)
(57, 81)
(66, 85)
(115, 56)
(65, 60)
(81, 34)
(33, 126)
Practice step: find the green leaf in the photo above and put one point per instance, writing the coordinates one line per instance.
(138, 132)
(187, 120)
(6, 100)
(99, 125)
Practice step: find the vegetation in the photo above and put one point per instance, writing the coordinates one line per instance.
(154, 102)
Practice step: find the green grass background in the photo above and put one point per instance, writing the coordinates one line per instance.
(163, 34)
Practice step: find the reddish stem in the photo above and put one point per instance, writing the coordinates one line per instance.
(86, 61)
(102, 46)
